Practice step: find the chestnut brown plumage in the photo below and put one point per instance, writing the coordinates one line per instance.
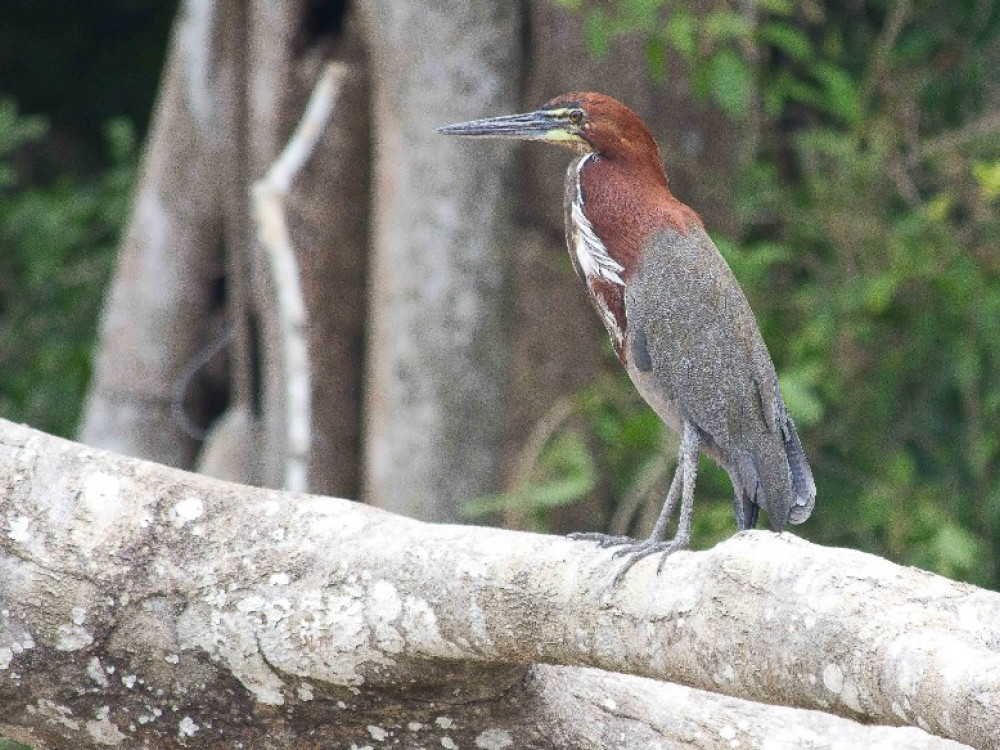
(677, 317)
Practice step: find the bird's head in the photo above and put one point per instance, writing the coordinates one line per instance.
(584, 122)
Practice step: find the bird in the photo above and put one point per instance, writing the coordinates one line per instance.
(676, 315)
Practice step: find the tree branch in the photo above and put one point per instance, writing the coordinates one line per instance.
(269, 195)
(174, 609)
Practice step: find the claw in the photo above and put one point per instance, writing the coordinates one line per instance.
(641, 550)
(631, 549)
(674, 546)
(681, 489)
(603, 540)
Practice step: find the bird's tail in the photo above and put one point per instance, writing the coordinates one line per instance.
(774, 475)
(803, 485)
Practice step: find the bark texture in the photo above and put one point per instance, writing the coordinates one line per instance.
(438, 337)
(238, 77)
(157, 313)
(141, 605)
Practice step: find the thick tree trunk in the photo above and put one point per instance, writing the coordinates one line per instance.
(158, 310)
(238, 78)
(309, 406)
(142, 604)
(328, 222)
(311, 221)
(438, 341)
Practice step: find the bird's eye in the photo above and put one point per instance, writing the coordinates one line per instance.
(576, 116)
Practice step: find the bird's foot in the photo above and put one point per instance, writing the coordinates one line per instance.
(641, 550)
(633, 550)
(603, 540)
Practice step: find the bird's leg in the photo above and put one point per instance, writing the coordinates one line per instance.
(659, 530)
(682, 487)
(687, 469)
(669, 505)
(689, 460)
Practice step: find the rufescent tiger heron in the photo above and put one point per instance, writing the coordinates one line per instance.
(677, 317)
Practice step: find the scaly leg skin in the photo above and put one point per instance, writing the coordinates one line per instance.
(682, 486)
(687, 469)
(604, 541)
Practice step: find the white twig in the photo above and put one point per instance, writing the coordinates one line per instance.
(269, 203)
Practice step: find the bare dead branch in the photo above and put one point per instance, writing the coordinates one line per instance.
(269, 195)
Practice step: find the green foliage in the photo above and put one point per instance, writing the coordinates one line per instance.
(606, 434)
(870, 227)
(563, 473)
(889, 295)
(58, 238)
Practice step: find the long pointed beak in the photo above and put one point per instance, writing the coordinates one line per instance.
(532, 126)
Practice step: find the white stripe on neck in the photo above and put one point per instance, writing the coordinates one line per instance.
(591, 254)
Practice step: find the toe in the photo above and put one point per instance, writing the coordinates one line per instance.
(638, 550)
(603, 540)
(671, 548)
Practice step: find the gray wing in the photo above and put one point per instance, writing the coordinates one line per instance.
(705, 353)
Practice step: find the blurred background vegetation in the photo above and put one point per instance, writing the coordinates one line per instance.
(868, 245)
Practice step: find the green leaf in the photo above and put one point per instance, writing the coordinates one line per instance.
(773, 101)
(725, 25)
(565, 473)
(731, 81)
(17, 129)
(956, 550)
(777, 7)
(8, 176)
(967, 365)
(641, 14)
(681, 32)
(595, 31)
(801, 399)
(753, 262)
(119, 134)
(787, 87)
(842, 94)
(788, 39)
(879, 291)
(915, 45)
(987, 174)
(656, 59)
(533, 497)
(939, 206)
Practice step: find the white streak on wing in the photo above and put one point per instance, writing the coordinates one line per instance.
(591, 254)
